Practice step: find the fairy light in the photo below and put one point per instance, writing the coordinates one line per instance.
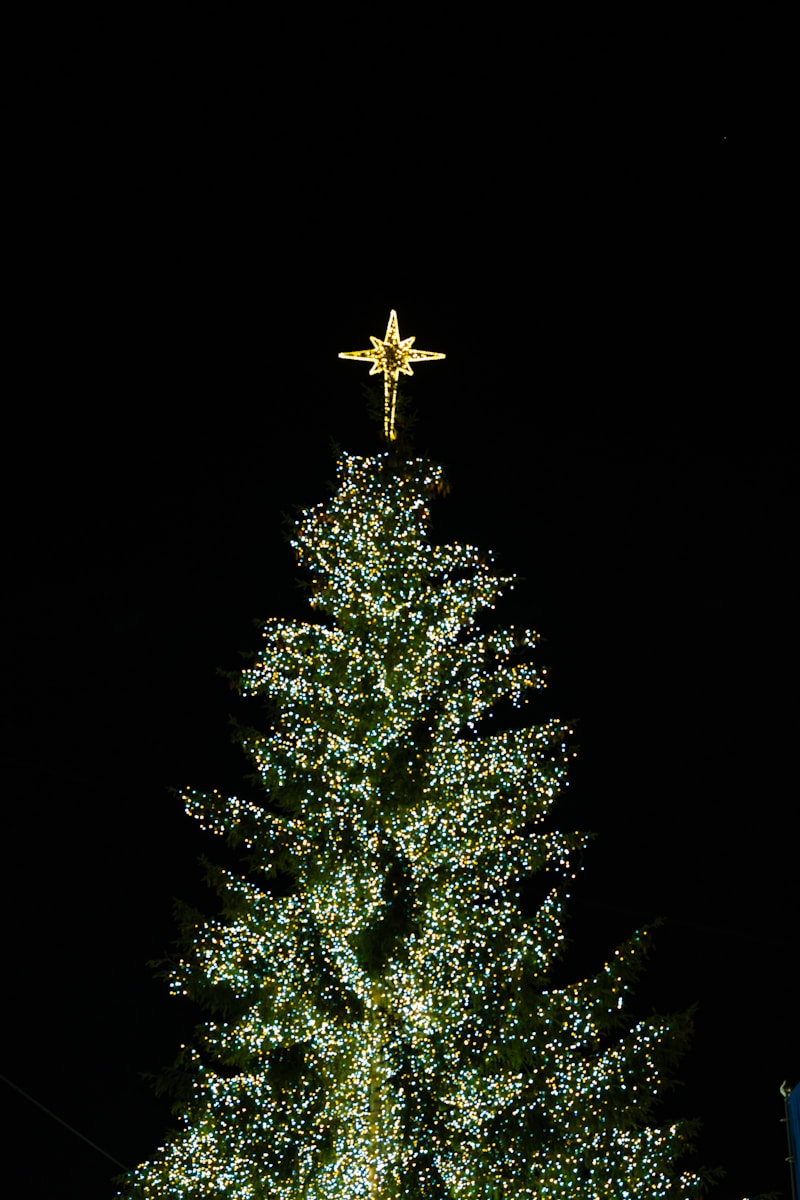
(391, 1027)
(392, 358)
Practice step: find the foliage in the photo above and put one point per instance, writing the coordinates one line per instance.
(387, 1026)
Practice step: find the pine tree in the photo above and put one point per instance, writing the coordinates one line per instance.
(386, 1025)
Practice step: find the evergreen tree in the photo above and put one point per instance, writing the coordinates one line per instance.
(387, 1025)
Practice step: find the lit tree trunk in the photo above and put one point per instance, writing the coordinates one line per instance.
(374, 1107)
(377, 1099)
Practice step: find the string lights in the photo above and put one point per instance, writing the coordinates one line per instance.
(385, 1024)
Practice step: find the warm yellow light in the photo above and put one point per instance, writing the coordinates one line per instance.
(391, 358)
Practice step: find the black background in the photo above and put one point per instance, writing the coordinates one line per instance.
(615, 415)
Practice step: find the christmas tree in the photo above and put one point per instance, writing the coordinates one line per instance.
(385, 1022)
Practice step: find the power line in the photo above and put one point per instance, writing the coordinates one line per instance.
(94, 1145)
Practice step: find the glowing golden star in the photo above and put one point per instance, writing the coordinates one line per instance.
(391, 357)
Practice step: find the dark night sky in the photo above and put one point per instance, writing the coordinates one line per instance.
(614, 417)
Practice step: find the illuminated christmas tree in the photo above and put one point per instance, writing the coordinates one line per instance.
(386, 1024)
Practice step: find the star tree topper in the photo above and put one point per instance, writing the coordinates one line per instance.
(391, 357)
